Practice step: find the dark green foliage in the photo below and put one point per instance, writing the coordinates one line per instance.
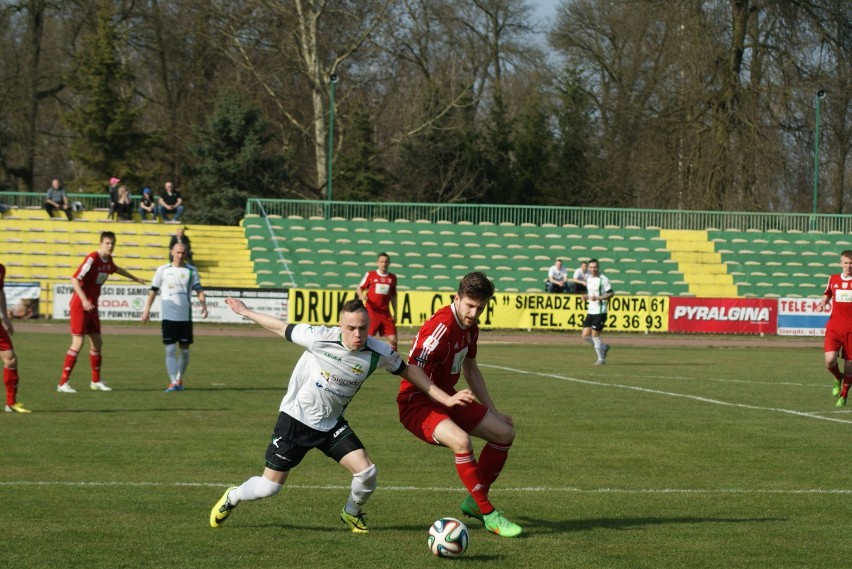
(104, 115)
(357, 173)
(233, 159)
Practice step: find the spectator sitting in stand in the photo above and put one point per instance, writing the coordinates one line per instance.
(124, 204)
(170, 204)
(579, 279)
(147, 205)
(56, 199)
(557, 278)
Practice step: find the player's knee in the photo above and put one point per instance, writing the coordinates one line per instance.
(459, 442)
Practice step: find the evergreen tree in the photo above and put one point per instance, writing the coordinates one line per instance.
(539, 180)
(106, 140)
(232, 161)
(358, 175)
(499, 158)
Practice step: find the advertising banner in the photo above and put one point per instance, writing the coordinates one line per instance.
(506, 310)
(126, 302)
(22, 299)
(723, 315)
(801, 317)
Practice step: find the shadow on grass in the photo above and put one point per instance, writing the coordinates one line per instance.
(531, 525)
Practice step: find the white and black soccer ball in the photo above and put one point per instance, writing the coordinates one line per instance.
(448, 537)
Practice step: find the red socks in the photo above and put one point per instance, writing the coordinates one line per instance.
(95, 358)
(491, 461)
(847, 382)
(10, 379)
(469, 474)
(68, 367)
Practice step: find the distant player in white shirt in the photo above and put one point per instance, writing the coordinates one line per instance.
(599, 291)
(175, 282)
(329, 373)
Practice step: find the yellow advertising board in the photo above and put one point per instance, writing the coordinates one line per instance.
(506, 310)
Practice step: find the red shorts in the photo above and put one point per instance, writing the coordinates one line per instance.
(381, 323)
(83, 322)
(836, 341)
(421, 415)
(5, 340)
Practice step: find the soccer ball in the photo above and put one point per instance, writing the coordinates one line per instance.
(448, 537)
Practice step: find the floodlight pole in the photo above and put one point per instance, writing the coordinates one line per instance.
(332, 83)
(818, 103)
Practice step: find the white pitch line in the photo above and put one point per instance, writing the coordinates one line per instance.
(522, 489)
(671, 394)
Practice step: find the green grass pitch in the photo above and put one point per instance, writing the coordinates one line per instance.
(666, 457)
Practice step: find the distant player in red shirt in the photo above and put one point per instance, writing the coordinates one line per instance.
(445, 347)
(838, 331)
(7, 352)
(85, 320)
(378, 293)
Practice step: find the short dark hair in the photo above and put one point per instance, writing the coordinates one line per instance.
(107, 235)
(477, 286)
(847, 253)
(353, 305)
(383, 254)
(594, 261)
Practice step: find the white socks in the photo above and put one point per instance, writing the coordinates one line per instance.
(364, 483)
(171, 361)
(183, 362)
(254, 488)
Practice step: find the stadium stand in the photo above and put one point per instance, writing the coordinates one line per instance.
(293, 251)
(313, 252)
(39, 249)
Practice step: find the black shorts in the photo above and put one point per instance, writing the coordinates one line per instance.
(177, 332)
(595, 321)
(292, 440)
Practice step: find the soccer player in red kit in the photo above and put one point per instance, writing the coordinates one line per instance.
(7, 352)
(378, 293)
(838, 330)
(445, 347)
(85, 320)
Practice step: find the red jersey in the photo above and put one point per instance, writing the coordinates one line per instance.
(380, 290)
(92, 274)
(440, 347)
(839, 290)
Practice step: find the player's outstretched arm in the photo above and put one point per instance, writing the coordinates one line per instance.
(127, 275)
(271, 323)
(419, 378)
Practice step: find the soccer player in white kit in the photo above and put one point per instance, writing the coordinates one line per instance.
(598, 293)
(329, 373)
(175, 282)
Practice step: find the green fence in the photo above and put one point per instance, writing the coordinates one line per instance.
(516, 215)
(36, 199)
(558, 216)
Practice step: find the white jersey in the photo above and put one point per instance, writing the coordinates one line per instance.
(557, 274)
(175, 285)
(328, 375)
(598, 285)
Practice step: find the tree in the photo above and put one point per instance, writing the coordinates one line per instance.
(107, 141)
(359, 175)
(232, 160)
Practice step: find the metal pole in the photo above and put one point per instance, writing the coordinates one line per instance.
(818, 102)
(329, 158)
